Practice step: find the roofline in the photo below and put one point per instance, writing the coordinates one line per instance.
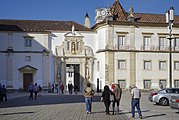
(103, 23)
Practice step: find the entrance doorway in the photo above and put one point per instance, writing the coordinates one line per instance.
(76, 78)
(27, 78)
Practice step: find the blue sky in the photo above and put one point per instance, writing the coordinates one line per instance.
(75, 10)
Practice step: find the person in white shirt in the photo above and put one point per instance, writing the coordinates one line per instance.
(135, 96)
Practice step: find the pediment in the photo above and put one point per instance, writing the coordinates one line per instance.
(27, 67)
(73, 34)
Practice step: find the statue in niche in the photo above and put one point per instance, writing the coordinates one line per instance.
(73, 47)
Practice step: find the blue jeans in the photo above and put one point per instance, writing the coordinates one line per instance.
(136, 103)
(88, 101)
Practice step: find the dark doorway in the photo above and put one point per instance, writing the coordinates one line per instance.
(27, 78)
(97, 84)
(76, 74)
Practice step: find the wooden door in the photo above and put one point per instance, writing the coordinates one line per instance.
(27, 78)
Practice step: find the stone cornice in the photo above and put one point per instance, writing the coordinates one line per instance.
(137, 51)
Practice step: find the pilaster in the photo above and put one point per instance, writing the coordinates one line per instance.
(45, 71)
(132, 68)
(9, 75)
(109, 67)
(132, 57)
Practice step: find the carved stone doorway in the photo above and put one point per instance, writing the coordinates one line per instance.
(76, 77)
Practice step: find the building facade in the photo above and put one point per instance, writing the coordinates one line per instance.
(122, 47)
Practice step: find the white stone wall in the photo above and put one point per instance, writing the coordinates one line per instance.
(40, 41)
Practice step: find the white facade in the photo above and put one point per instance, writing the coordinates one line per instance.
(112, 51)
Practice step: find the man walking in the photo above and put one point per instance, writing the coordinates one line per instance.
(136, 95)
(31, 90)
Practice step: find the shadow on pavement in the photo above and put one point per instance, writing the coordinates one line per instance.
(17, 113)
(46, 100)
(156, 115)
(135, 111)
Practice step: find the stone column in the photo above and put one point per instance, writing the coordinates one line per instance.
(82, 75)
(63, 70)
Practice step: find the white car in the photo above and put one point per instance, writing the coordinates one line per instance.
(162, 97)
(174, 102)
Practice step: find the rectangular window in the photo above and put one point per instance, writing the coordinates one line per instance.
(121, 42)
(147, 84)
(147, 43)
(162, 43)
(121, 64)
(147, 65)
(162, 83)
(70, 74)
(98, 66)
(162, 65)
(176, 65)
(28, 42)
(176, 43)
(28, 58)
(176, 83)
(78, 45)
(100, 85)
(122, 84)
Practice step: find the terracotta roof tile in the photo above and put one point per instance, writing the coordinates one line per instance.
(39, 25)
(120, 15)
(153, 18)
(118, 11)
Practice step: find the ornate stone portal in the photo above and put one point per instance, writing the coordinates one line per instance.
(73, 54)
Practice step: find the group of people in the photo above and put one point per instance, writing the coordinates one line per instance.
(34, 89)
(72, 88)
(3, 96)
(58, 87)
(113, 96)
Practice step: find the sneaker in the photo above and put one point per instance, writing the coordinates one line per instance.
(107, 113)
(140, 117)
(132, 118)
(87, 112)
(113, 113)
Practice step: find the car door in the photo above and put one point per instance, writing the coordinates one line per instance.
(174, 92)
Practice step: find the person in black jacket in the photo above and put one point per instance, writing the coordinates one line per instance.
(106, 98)
(3, 93)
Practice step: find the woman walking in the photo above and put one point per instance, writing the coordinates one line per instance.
(89, 93)
(118, 93)
(106, 95)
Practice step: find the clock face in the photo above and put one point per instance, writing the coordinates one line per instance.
(103, 12)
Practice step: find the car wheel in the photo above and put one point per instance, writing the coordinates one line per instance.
(163, 101)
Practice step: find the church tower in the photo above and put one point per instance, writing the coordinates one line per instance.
(87, 21)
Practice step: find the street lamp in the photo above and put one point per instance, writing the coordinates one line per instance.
(169, 19)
